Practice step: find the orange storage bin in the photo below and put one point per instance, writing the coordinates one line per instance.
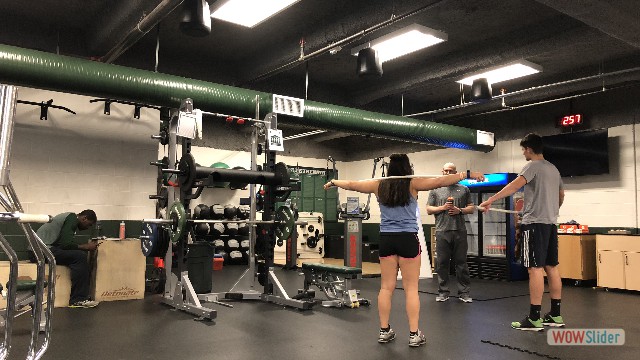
(218, 262)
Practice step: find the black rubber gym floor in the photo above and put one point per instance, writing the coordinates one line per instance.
(146, 329)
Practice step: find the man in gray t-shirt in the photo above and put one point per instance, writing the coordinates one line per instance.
(543, 196)
(451, 234)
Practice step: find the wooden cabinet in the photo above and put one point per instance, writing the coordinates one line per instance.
(611, 269)
(577, 257)
(618, 261)
(632, 270)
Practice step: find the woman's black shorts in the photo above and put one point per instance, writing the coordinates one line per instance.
(403, 244)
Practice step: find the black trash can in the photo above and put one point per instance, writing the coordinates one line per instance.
(200, 266)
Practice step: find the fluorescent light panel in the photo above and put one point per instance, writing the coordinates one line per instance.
(296, 136)
(248, 13)
(404, 41)
(503, 73)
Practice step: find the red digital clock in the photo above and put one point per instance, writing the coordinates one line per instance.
(571, 120)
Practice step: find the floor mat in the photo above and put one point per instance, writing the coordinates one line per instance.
(481, 290)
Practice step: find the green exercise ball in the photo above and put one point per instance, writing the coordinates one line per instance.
(220, 165)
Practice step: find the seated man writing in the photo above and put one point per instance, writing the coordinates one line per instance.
(59, 234)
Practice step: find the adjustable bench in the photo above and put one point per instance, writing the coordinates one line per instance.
(334, 281)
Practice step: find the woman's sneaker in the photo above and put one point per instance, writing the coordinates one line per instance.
(553, 321)
(417, 340)
(84, 304)
(528, 325)
(386, 336)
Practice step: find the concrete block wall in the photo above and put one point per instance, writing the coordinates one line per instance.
(91, 160)
(85, 161)
(608, 200)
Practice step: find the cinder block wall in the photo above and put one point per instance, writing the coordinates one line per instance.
(605, 201)
(92, 160)
(84, 161)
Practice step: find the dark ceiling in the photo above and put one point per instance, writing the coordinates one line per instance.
(569, 39)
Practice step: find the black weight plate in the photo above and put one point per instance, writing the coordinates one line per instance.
(282, 173)
(284, 229)
(187, 169)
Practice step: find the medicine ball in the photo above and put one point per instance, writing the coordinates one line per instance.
(230, 211)
(216, 230)
(201, 212)
(202, 229)
(243, 212)
(237, 185)
(235, 257)
(220, 165)
(232, 229)
(217, 212)
(232, 244)
(218, 244)
(243, 229)
(225, 256)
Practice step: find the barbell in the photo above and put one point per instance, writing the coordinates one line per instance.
(177, 220)
(189, 172)
(25, 218)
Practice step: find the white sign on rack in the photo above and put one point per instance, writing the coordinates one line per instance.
(276, 141)
(187, 125)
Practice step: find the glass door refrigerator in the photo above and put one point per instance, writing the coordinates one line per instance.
(492, 235)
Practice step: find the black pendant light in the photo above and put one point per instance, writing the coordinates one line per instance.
(369, 63)
(481, 90)
(196, 18)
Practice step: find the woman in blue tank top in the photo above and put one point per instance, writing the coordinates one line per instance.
(399, 244)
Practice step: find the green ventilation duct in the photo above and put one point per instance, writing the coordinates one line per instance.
(43, 70)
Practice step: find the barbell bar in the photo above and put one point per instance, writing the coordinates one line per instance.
(188, 173)
(169, 222)
(480, 208)
(25, 218)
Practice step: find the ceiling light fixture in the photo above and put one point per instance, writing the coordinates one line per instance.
(503, 73)
(248, 13)
(195, 18)
(403, 41)
(296, 136)
(481, 90)
(369, 63)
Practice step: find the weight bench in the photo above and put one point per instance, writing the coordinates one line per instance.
(334, 281)
(25, 296)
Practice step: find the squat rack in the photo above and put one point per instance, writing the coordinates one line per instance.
(179, 292)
